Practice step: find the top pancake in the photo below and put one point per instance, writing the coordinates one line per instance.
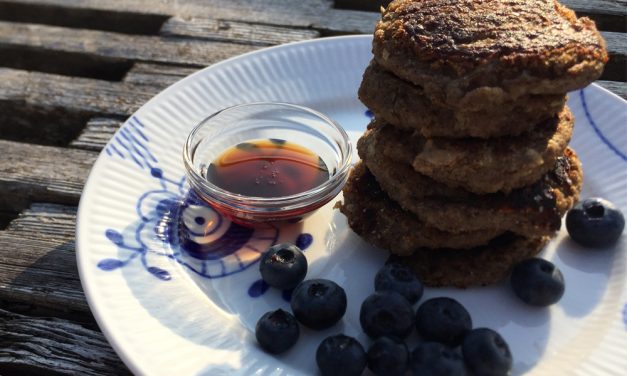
(452, 47)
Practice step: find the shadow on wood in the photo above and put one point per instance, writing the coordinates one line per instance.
(42, 276)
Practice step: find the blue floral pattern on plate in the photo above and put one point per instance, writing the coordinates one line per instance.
(177, 224)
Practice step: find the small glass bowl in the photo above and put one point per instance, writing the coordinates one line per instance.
(266, 120)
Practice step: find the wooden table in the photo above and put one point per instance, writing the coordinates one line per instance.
(71, 71)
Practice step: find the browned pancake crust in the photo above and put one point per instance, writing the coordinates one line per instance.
(534, 210)
(477, 165)
(451, 47)
(406, 106)
(382, 222)
(478, 266)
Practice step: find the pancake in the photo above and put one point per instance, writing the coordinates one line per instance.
(483, 50)
(534, 210)
(479, 266)
(406, 106)
(382, 222)
(477, 165)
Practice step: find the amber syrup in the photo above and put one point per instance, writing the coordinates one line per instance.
(267, 168)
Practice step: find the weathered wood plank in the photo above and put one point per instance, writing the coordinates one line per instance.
(83, 318)
(609, 15)
(316, 14)
(49, 91)
(616, 67)
(38, 274)
(38, 270)
(93, 43)
(319, 14)
(46, 220)
(235, 31)
(97, 133)
(157, 75)
(616, 43)
(50, 254)
(37, 282)
(618, 88)
(30, 173)
(38, 260)
(52, 346)
(613, 7)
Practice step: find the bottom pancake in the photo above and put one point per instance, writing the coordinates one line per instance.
(478, 266)
(439, 258)
(382, 222)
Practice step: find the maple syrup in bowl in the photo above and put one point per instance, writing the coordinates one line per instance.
(263, 162)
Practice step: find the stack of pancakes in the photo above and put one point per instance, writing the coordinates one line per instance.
(466, 168)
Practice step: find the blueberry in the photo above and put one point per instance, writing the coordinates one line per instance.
(399, 278)
(318, 303)
(283, 266)
(388, 356)
(386, 313)
(537, 282)
(443, 320)
(595, 223)
(277, 331)
(486, 353)
(340, 355)
(436, 359)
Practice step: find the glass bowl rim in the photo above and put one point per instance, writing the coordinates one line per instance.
(269, 202)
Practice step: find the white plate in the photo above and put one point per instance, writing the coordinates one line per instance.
(167, 311)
